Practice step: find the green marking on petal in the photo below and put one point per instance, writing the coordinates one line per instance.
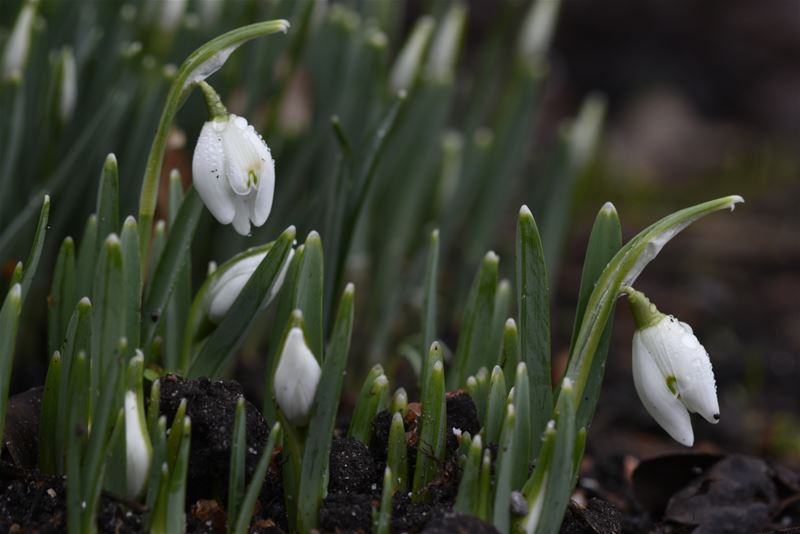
(672, 384)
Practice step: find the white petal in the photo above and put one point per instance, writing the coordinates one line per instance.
(658, 400)
(227, 287)
(242, 154)
(261, 204)
(208, 171)
(679, 354)
(137, 447)
(296, 379)
(241, 221)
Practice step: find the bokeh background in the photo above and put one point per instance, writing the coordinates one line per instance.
(701, 101)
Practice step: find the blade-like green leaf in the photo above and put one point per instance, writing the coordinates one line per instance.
(63, 295)
(468, 498)
(87, 257)
(108, 303)
(429, 306)
(323, 416)
(36, 248)
(604, 241)
(397, 453)
(385, 511)
(501, 515)
(132, 283)
(254, 488)
(309, 293)
(237, 465)
(48, 448)
(222, 342)
(170, 264)
(107, 203)
(533, 305)
(433, 424)
(9, 321)
(473, 351)
(181, 298)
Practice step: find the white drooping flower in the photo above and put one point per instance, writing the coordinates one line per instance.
(233, 171)
(223, 291)
(671, 370)
(296, 378)
(138, 451)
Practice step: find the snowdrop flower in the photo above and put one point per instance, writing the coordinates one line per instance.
(232, 168)
(138, 450)
(296, 378)
(671, 370)
(223, 291)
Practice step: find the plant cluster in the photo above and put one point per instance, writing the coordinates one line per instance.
(122, 311)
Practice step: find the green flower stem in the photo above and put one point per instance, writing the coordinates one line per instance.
(200, 64)
(216, 109)
(644, 312)
(622, 270)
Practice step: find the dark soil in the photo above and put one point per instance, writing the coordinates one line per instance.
(30, 502)
(211, 405)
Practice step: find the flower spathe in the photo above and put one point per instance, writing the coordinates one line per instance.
(671, 370)
(234, 173)
(296, 378)
(229, 284)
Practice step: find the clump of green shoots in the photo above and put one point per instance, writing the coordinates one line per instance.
(122, 309)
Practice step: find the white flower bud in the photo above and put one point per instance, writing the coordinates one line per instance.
(226, 288)
(19, 42)
(296, 379)
(138, 451)
(671, 371)
(234, 173)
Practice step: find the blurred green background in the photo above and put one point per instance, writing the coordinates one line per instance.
(700, 101)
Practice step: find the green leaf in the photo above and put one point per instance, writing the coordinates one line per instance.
(384, 521)
(468, 497)
(523, 432)
(509, 357)
(533, 303)
(429, 306)
(47, 422)
(107, 319)
(176, 501)
(170, 264)
(366, 404)
(132, 283)
(604, 241)
(9, 321)
(473, 352)
(78, 427)
(107, 203)
(309, 293)
(181, 297)
(237, 465)
(323, 415)
(222, 342)
(558, 485)
(254, 488)
(502, 309)
(433, 425)
(484, 511)
(78, 339)
(496, 408)
(36, 248)
(397, 453)
(505, 471)
(283, 310)
(103, 419)
(87, 257)
(63, 295)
